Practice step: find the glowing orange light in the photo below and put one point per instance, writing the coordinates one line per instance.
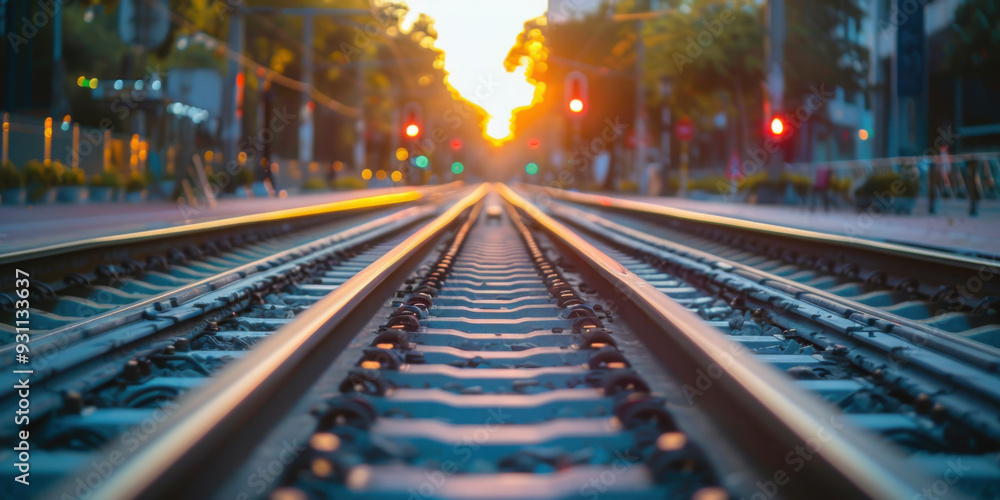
(412, 130)
(397, 176)
(576, 105)
(366, 174)
(777, 127)
(863, 134)
(533, 143)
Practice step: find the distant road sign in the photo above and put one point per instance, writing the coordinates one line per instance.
(143, 22)
(684, 129)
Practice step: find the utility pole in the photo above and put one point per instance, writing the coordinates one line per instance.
(58, 104)
(359, 124)
(665, 126)
(230, 125)
(306, 135)
(640, 108)
(775, 48)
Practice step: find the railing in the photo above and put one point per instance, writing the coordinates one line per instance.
(972, 176)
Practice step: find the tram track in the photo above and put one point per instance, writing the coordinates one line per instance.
(495, 352)
(938, 292)
(86, 284)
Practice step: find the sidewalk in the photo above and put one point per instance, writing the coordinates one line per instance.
(951, 228)
(24, 227)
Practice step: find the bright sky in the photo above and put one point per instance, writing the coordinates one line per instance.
(475, 36)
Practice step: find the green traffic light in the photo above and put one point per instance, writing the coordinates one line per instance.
(421, 161)
(531, 168)
(457, 168)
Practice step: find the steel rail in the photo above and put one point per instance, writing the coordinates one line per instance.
(45, 344)
(752, 406)
(971, 386)
(218, 426)
(381, 200)
(938, 257)
(975, 353)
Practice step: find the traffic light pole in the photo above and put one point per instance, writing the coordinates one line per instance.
(306, 134)
(775, 47)
(230, 124)
(640, 106)
(359, 124)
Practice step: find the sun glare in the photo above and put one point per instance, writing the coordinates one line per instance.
(475, 38)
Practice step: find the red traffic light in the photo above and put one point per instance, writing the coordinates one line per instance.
(456, 144)
(534, 143)
(576, 105)
(777, 126)
(412, 130)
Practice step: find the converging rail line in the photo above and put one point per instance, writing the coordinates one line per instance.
(483, 346)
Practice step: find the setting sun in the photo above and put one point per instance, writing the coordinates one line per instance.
(475, 38)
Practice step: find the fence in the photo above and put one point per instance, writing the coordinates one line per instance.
(971, 175)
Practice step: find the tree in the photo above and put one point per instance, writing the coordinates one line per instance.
(976, 35)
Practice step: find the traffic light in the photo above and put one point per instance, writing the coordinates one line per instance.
(457, 168)
(575, 89)
(456, 144)
(531, 168)
(413, 119)
(779, 128)
(533, 143)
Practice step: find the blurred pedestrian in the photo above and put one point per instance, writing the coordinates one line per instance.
(821, 187)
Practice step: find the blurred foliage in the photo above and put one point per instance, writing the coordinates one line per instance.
(315, 184)
(244, 176)
(108, 178)
(10, 176)
(701, 58)
(136, 182)
(395, 65)
(38, 174)
(886, 184)
(976, 34)
(73, 177)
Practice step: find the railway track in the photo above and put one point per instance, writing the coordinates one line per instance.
(83, 281)
(490, 351)
(937, 291)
